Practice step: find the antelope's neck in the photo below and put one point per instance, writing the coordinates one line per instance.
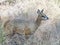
(38, 21)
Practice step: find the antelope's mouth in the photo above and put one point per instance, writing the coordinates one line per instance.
(45, 18)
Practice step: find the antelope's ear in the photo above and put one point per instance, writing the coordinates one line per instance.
(38, 11)
(42, 10)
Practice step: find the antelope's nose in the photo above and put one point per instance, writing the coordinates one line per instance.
(47, 18)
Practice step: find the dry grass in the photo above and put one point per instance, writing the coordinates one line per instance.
(30, 6)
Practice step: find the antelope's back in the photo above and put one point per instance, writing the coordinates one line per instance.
(23, 24)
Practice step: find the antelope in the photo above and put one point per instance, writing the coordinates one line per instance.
(24, 27)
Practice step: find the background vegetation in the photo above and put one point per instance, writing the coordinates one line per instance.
(57, 3)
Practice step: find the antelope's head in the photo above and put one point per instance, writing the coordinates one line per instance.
(42, 15)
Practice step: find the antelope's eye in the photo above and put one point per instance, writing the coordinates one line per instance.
(42, 16)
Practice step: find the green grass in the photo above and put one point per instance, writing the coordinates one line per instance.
(57, 1)
(1, 35)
